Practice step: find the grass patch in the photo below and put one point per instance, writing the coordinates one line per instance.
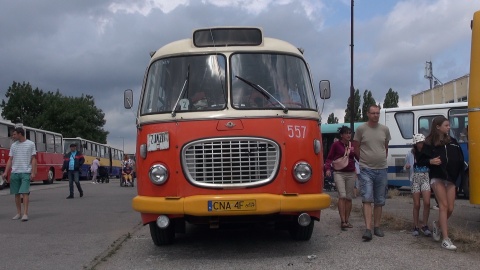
(393, 193)
(466, 241)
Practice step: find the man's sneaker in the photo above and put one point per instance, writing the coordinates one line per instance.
(436, 231)
(426, 231)
(17, 216)
(24, 218)
(447, 244)
(435, 207)
(70, 197)
(415, 231)
(367, 235)
(378, 232)
(81, 194)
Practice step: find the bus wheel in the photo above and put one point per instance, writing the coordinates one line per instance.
(162, 237)
(301, 233)
(3, 182)
(50, 177)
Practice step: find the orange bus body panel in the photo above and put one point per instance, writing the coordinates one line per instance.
(180, 197)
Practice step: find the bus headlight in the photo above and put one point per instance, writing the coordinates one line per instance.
(158, 174)
(302, 172)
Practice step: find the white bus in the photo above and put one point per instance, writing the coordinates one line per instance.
(406, 121)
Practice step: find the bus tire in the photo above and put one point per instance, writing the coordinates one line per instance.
(301, 233)
(162, 237)
(4, 184)
(49, 178)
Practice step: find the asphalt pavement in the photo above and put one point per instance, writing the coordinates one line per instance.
(466, 216)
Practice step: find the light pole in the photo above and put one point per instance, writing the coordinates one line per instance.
(352, 91)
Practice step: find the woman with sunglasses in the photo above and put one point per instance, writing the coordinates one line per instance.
(344, 178)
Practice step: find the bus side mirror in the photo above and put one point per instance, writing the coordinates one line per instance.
(128, 98)
(324, 89)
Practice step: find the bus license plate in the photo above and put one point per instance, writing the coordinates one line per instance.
(158, 141)
(242, 205)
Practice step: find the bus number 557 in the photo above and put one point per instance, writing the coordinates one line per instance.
(296, 131)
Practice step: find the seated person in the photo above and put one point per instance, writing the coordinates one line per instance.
(127, 174)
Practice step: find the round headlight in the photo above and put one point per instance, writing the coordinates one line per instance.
(158, 174)
(302, 172)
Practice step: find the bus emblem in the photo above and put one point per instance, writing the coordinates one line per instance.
(229, 124)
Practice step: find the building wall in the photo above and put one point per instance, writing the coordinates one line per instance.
(452, 91)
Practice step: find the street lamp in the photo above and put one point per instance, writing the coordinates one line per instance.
(352, 91)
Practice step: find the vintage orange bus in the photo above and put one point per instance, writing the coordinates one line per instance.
(228, 130)
(49, 152)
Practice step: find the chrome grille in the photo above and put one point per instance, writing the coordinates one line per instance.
(231, 162)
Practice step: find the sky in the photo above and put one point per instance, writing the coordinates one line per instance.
(101, 47)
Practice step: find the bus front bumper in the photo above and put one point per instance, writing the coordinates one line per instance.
(231, 204)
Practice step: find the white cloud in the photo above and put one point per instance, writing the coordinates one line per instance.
(145, 7)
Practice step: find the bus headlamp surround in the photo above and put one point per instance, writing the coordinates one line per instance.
(158, 174)
(302, 171)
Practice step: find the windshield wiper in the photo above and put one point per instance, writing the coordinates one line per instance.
(185, 85)
(263, 92)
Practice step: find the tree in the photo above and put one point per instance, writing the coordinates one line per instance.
(356, 109)
(70, 116)
(391, 99)
(332, 119)
(368, 100)
(24, 104)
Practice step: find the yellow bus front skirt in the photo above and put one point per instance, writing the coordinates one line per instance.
(199, 205)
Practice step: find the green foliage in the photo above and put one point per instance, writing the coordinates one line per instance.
(368, 100)
(332, 119)
(70, 116)
(356, 109)
(391, 99)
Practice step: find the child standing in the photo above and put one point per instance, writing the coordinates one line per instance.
(420, 183)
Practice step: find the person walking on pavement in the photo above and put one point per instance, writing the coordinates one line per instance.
(420, 184)
(344, 177)
(94, 169)
(371, 146)
(72, 161)
(23, 162)
(444, 157)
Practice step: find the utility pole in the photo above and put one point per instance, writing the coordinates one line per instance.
(352, 91)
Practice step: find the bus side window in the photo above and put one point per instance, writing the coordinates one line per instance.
(50, 143)
(4, 136)
(41, 147)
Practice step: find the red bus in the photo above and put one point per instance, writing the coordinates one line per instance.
(49, 152)
(228, 130)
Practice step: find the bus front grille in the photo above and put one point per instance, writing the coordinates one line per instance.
(231, 162)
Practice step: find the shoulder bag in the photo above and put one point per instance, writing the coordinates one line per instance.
(342, 162)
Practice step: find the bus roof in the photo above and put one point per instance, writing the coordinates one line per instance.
(333, 128)
(427, 107)
(186, 46)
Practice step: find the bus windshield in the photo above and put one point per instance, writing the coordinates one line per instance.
(194, 82)
(284, 77)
